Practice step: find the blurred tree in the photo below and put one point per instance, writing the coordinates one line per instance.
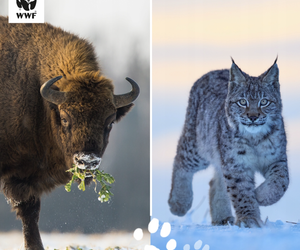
(134, 194)
(3, 7)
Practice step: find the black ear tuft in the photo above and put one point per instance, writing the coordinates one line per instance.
(236, 74)
(271, 76)
(232, 60)
(121, 112)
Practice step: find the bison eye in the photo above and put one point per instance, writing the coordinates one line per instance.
(109, 127)
(64, 122)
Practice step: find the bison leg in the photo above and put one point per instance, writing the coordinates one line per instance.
(29, 212)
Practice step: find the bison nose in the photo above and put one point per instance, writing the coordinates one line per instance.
(86, 161)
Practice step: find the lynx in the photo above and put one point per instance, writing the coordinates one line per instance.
(234, 122)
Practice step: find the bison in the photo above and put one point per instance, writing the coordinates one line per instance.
(57, 109)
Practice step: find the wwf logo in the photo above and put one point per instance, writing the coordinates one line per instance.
(26, 4)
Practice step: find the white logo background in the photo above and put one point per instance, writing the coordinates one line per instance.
(32, 16)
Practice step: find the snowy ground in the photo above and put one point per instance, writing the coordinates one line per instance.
(51, 241)
(195, 227)
(276, 236)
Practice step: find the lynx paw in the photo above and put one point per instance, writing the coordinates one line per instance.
(224, 222)
(249, 222)
(265, 194)
(180, 204)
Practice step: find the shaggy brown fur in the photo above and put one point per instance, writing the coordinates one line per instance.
(39, 138)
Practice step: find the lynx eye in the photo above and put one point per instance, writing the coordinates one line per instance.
(242, 102)
(264, 102)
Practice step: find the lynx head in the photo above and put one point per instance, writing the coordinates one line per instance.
(253, 104)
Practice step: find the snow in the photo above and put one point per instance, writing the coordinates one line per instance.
(51, 241)
(195, 228)
(275, 235)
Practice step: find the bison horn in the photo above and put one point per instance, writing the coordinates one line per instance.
(53, 96)
(125, 99)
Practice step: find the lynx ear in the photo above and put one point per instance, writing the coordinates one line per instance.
(235, 74)
(271, 75)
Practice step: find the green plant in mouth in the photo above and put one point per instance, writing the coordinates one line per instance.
(97, 175)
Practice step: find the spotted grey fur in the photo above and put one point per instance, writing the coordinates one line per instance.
(233, 122)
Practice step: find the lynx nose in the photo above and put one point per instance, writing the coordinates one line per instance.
(86, 161)
(253, 117)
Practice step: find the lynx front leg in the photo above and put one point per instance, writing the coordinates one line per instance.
(181, 195)
(187, 162)
(219, 202)
(275, 185)
(29, 211)
(240, 185)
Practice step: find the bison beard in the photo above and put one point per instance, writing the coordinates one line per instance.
(57, 109)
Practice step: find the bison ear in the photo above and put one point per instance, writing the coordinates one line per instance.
(121, 112)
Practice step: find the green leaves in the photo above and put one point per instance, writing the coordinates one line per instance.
(100, 176)
(68, 186)
(81, 186)
(103, 178)
(74, 177)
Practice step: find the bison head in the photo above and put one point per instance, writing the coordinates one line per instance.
(84, 110)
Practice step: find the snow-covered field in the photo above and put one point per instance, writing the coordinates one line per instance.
(51, 241)
(276, 236)
(195, 227)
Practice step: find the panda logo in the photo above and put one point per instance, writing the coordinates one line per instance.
(26, 4)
